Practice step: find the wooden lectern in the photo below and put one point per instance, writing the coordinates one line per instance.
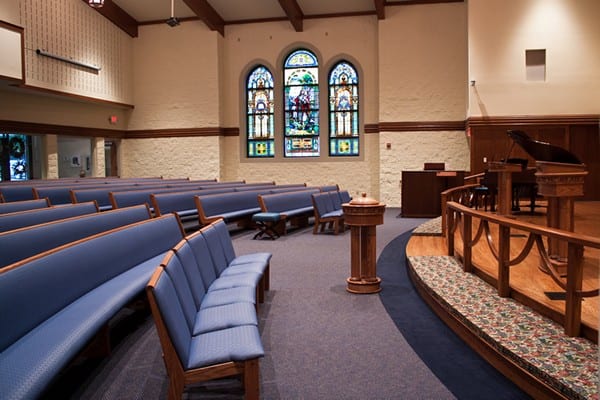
(560, 178)
(504, 171)
(362, 215)
(560, 183)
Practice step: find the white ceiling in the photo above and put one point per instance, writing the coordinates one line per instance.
(243, 10)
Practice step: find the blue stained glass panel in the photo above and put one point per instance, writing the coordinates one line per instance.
(260, 113)
(343, 110)
(301, 104)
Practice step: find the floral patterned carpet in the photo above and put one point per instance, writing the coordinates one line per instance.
(569, 365)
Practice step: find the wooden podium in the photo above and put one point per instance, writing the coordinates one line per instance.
(560, 183)
(362, 215)
(504, 171)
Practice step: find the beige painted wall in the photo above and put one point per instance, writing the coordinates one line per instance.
(9, 11)
(499, 33)
(422, 77)
(192, 158)
(175, 77)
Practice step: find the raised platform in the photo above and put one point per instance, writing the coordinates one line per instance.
(531, 348)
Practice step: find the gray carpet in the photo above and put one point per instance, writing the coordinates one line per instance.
(321, 342)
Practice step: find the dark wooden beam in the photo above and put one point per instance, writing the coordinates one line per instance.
(380, 8)
(207, 14)
(119, 17)
(293, 12)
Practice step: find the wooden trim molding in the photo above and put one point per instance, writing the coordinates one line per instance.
(170, 133)
(371, 128)
(584, 119)
(48, 129)
(412, 126)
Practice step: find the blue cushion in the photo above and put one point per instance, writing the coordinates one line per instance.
(203, 258)
(240, 294)
(235, 280)
(267, 217)
(239, 343)
(225, 316)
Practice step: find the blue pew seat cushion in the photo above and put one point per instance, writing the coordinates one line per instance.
(233, 344)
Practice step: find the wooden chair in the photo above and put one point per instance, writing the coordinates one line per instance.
(192, 359)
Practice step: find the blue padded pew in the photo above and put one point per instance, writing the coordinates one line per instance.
(328, 211)
(142, 196)
(54, 304)
(19, 244)
(23, 205)
(295, 207)
(16, 193)
(239, 206)
(202, 301)
(21, 219)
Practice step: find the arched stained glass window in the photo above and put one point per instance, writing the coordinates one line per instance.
(259, 113)
(301, 96)
(343, 110)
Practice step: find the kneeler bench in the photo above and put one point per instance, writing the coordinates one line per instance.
(267, 222)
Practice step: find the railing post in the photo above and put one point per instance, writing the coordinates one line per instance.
(467, 233)
(503, 261)
(450, 231)
(444, 215)
(574, 284)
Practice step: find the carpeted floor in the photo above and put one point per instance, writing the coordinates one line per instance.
(321, 342)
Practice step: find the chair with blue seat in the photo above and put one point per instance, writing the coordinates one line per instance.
(326, 214)
(239, 275)
(206, 316)
(256, 262)
(211, 274)
(211, 355)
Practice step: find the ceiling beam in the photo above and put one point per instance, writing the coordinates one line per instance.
(119, 17)
(380, 8)
(207, 14)
(293, 12)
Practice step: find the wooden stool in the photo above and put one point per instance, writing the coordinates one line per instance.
(266, 222)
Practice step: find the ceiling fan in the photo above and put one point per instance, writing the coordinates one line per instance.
(173, 21)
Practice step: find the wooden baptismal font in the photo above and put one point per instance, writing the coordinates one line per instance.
(362, 215)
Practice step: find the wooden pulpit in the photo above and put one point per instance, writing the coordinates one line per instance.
(560, 183)
(504, 171)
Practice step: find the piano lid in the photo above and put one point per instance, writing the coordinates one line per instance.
(542, 151)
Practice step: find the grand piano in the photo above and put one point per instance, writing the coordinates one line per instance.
(523, 179)
(558, 176)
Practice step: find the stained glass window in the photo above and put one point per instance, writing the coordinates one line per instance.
(301, 96)
(259, 114)
(14, 157)
(343, 110)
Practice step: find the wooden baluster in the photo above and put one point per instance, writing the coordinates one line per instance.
(574, 284)
(503, 261)
(450, 231)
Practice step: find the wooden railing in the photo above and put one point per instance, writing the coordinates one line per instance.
(461, 216)
(460, 194)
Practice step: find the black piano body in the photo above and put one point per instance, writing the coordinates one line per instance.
(524, 182)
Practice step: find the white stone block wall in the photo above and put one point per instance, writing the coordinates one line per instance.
(194, 157)
(410, 150)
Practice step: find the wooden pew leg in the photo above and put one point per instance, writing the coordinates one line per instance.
(251, 380)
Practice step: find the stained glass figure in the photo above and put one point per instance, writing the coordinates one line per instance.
(14, 157)
(301, 96)
(260, 113)
(343, 110)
